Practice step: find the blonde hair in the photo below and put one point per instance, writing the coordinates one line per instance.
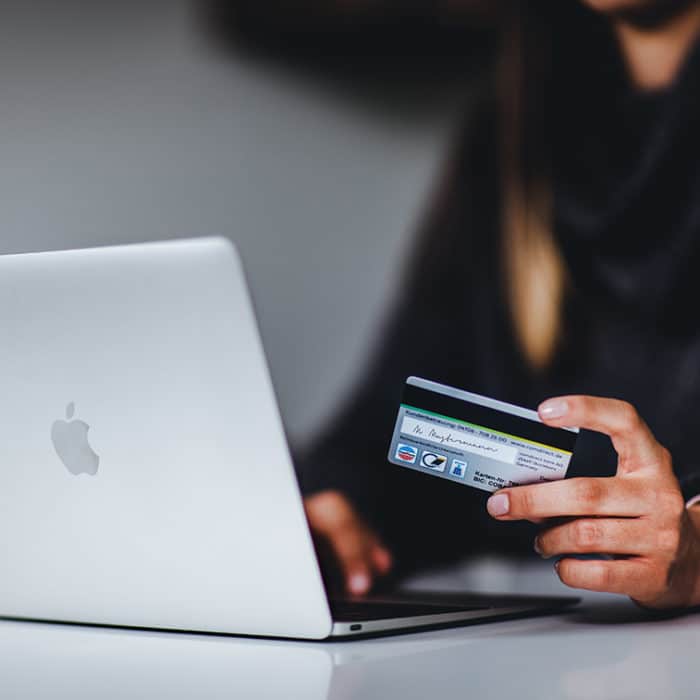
(533, 267)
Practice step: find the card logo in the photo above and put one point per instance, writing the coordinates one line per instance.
(458, 468)
(406, 453)
(431, 460)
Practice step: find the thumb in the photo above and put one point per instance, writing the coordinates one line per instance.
(636, 446)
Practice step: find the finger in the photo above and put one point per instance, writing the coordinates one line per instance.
(333, 519)
(609, 496)
(631, 577)
(381, 559)
(353, 554)
(360, 555)
(329, 511)
(631, 437)
(595, 535)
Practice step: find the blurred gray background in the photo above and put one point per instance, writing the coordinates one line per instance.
(124, 122)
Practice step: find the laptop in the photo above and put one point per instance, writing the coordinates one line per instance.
(145, 476)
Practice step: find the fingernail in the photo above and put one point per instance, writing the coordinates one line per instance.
(556, 565)
(498, 505)
(536, 546)
(359, 584)
(554, 408)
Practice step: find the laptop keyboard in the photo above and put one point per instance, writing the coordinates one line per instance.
(368, 610)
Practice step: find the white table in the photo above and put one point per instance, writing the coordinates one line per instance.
(605, 649)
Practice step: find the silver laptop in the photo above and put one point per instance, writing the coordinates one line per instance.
(145, 478)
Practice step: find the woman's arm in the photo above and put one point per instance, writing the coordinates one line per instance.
(363, 509)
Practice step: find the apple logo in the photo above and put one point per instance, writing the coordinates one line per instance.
(70, 440)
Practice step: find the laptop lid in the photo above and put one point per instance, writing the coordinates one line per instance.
(145, 479)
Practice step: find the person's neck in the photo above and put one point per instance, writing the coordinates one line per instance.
(654, 55)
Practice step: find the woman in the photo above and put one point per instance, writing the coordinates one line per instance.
(558, 262)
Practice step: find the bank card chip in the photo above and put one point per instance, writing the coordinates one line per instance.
(476, 441)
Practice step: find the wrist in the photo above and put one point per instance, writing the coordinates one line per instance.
(683, 579)
(692, 556)
(684, 575)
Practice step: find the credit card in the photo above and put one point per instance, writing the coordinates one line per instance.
(476, 441)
